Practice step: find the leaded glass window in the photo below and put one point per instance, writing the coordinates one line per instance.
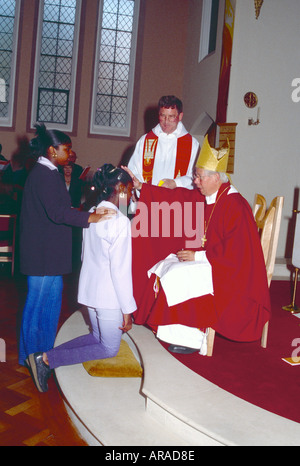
(9, 24)
(114, 67)
(56, 62)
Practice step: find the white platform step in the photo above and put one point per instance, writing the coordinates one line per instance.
(170, 406)
(107, 411)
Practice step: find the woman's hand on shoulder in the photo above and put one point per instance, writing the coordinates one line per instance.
(102, 213)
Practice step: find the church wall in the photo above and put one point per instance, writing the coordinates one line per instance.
(201, 79)
(265, 60)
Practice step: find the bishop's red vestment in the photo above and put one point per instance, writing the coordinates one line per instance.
(240, 305)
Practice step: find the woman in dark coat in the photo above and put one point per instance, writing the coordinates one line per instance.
(46, 240)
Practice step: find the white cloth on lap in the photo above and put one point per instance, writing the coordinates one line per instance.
(183, 280)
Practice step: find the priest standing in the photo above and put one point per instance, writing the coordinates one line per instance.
(166, 155)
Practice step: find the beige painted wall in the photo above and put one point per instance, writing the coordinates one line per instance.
(201, 79)
(265, 60)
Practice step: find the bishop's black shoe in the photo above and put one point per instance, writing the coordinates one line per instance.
(181, 349)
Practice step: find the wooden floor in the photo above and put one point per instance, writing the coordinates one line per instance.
(28, 417)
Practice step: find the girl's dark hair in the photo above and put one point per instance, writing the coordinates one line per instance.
(106, 179)
(46, 138)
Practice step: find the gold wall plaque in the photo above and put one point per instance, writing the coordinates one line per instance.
(250, 99)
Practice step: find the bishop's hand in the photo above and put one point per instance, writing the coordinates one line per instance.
(137, 184)
(185, 255)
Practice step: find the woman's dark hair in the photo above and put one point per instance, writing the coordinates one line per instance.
(46, 138)
(106, 179)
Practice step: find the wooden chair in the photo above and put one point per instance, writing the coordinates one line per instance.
(8, 239)
(268, 224)
(259, 209)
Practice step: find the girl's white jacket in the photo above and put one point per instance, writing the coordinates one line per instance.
(106, 273)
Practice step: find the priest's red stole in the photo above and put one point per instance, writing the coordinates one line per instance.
(184, 150)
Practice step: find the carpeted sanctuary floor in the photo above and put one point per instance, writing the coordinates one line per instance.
(252, 373)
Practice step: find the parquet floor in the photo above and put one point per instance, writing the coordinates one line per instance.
(27, 417)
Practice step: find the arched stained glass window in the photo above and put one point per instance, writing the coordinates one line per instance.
(56, 62)
(9, 25)
(114, 67)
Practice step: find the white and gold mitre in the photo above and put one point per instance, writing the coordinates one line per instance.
(212, 159)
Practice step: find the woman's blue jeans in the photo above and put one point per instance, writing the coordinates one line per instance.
(40, 315)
